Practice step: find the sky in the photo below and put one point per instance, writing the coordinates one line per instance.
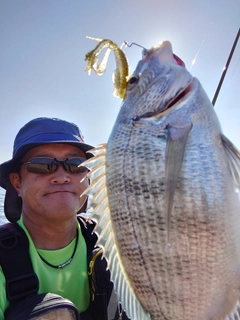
(43, 47)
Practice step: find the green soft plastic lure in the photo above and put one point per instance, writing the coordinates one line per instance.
(120, 75)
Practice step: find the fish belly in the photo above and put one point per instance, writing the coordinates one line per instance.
(196, 275)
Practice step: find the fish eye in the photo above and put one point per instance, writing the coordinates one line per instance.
(133, 80)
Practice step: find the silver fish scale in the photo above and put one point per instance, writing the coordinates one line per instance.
(182, 282)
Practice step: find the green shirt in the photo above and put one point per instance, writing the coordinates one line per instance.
(71, 282)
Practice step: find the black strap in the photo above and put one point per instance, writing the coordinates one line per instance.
(15, 261)
(87, 228)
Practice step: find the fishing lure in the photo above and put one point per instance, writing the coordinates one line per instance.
(120, 75)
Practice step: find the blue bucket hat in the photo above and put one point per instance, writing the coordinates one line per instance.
(35, 133)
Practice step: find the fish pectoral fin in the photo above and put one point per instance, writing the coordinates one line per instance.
(233, 157)
(235, 314)
(176, 142)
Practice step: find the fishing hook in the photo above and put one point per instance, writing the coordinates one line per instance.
(133, 43)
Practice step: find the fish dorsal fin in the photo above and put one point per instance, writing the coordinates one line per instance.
(233, 157)
(100, 211)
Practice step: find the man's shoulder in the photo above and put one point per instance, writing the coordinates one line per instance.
(6, 227)
(10, 234)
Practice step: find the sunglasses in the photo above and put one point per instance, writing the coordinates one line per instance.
(45, 165)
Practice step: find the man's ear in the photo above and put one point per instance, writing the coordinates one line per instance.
(15, 180)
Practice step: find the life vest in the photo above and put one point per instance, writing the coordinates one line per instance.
(22, 283)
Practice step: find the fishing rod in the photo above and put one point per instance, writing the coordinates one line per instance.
(226, 68)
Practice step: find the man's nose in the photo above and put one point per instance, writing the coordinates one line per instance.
(61, 175)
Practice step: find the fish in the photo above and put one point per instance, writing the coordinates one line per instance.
(165, 194)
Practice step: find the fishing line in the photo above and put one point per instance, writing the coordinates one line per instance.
(194, 60)
(229, 81)
(235, 68)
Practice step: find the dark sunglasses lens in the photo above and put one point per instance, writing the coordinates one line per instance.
(42, 165)
(46, 165)
(73, 165)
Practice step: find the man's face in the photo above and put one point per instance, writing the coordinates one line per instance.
(54, 196)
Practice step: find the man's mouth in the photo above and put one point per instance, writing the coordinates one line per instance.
(58, 191)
